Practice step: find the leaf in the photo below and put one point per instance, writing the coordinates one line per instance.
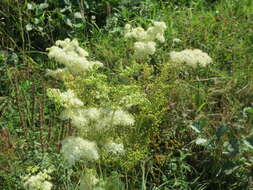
(30, 6)
(230, 167)
(249, 142)
(221, 131)
(196, 127)
(43, 6)
(29, 27)
(13, 58)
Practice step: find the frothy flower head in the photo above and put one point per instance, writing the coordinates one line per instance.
(145, 44)
(144, 48)
(38, 182)
(115, 148)
(59, 74)
(190, 57)
(67, 99)
(70, 54)
(98, 118)
(176, 40)
(76, 148)
(153, 33)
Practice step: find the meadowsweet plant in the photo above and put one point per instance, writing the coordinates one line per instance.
(145, 39)
(96, 122)
(96, 107)
(192, 58)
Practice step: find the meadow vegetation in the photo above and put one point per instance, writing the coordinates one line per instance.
(126, 95)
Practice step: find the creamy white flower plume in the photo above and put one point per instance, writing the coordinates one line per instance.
(192, 58)
(98, 118)
(67, 99)
(76, 148)
(59, 74)
(72, 56)
(38, 182)
(145, 44)
(120, 117)
(176, 40)
(154, 32)
(143, 49)
(115, 148)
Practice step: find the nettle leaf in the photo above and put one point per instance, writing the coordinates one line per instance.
(196, 127)
(221, 131)
(249, 142)
(13, 58)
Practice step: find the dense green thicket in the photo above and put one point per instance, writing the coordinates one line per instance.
(195, 134)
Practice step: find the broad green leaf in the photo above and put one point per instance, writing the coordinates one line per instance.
(221, 131)
(13, 58)
(249, 142)
(196, 127)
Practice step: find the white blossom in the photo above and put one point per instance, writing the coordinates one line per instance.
(72, 56)
(145, 39)
(176, 40)
(120, 117)
(67, 99)
(115, 148)
(59, 74)
(143, 49)
(76, 148)
(97, 118)
(38, 182)
(192, 58)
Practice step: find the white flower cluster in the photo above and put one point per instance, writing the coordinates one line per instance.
(192, 58)
(115, 148)
(38, 182)
(76, 148)
(70, 54)
(97, 118)
(145, 44)
(67, 99)
(59, 74)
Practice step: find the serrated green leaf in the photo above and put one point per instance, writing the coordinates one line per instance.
(249, 141)
(196, 127)
(221, 131)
